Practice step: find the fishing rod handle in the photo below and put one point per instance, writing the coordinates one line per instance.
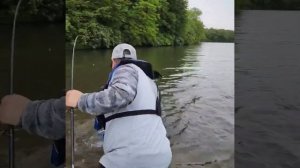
(11, 148)
(72, 136)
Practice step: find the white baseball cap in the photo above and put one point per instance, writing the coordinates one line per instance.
(124, 51)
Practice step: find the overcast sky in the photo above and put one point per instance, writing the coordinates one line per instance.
(215, 13)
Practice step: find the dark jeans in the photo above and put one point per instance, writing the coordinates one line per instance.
(100, 166)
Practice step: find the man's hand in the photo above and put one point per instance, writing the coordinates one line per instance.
(72, 98)
(11, 108)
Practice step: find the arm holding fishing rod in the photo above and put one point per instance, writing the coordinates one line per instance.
(45, 118)
(119, 93)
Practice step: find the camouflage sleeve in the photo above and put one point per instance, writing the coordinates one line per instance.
(120, 92)
(45, 118)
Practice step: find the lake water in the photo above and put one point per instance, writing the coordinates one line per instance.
(39, 67)
(267, 89)
(197, 100)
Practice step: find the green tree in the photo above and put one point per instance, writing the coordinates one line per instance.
(94, 21)
(194, 28)
(140, 27)
(179, 9)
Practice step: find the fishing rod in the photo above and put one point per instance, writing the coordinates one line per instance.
(72, 109)
(11, 130)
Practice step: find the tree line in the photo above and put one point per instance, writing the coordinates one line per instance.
(267, 4)
(32, 11)
(219, 35)
(105, 23)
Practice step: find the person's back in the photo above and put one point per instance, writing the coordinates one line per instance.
(140, 140)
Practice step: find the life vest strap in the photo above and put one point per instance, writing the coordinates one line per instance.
(130, 113)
